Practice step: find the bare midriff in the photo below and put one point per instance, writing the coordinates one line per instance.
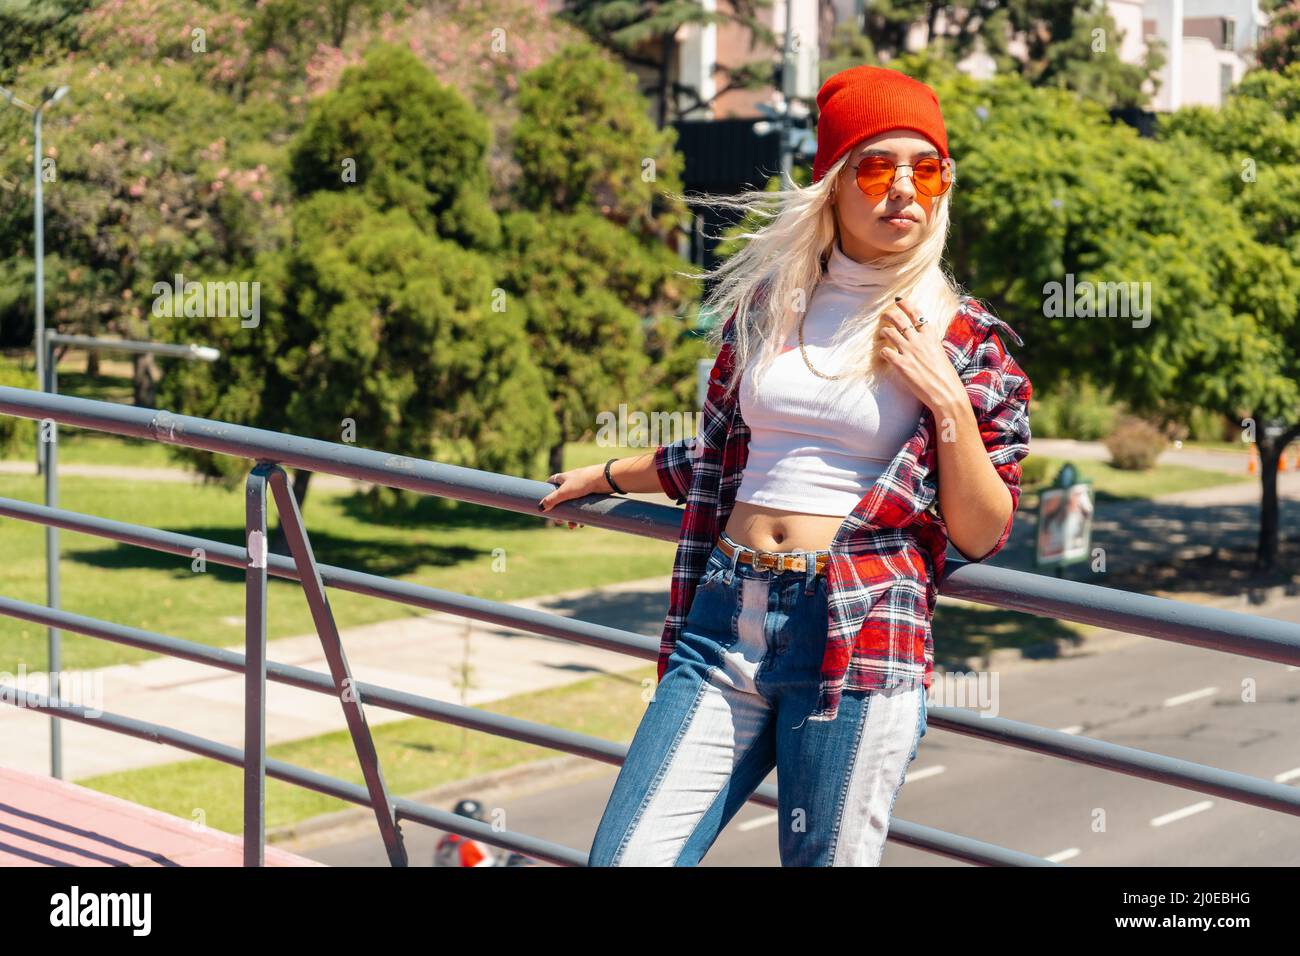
(773, 529)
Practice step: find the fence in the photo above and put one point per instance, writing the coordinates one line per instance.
(1210, 628)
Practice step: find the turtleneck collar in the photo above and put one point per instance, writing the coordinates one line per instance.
(849, 274)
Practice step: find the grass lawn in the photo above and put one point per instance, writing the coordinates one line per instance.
(444, 544)
(80, 447)
(1237, 445)
(1111, 482)
(415, 755)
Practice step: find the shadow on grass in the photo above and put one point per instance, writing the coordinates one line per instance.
(387, 558)
(963, 632)
(959, 632)
(104, 388)
(384, 556)
(431, 513)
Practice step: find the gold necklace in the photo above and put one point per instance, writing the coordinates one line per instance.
(804, 352)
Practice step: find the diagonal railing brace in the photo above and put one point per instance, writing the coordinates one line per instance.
(349, 695)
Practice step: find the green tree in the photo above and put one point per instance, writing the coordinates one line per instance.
(1049, 192)
(373, 331)
(393, 132)
(1254, 143)
(147, 173)
(384, 310)
(1080, 52)
(33, 28)
(578, 278)
(582, 141)
(587, 255)
(297, 27)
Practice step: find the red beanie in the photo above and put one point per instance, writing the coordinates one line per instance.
(864, 101)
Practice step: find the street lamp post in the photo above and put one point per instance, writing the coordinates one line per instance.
(44, 381)
(797, 144)
(198, 353)
(42, 370)
(39, 216)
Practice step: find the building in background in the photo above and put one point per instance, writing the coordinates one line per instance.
(734, 141)
(731, 138)
(1210, 45)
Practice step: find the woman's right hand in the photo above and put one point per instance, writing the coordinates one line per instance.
(575, 483)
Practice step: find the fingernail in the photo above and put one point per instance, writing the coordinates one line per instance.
(898, 298)
(539, 506)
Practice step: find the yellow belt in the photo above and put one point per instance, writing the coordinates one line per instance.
(774, 560)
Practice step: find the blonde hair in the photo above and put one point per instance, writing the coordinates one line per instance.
(770, 280)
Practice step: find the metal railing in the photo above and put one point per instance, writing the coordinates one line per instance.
(1175, 621)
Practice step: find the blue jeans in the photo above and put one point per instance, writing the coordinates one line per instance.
(731, 706)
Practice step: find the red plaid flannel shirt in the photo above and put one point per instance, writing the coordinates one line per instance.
(888, 555)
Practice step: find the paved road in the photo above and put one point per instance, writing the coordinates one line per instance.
(1144, 693)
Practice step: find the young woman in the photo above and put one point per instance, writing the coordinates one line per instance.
(816, 522)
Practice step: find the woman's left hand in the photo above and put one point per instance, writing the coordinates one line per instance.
(917, 355)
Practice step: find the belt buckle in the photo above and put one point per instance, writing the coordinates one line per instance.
(797, 563)
(763, 559)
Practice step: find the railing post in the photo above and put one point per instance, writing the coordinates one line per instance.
(295, 533)
(53, 638)
(255, 666)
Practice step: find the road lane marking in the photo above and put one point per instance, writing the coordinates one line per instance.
(1180, 814)
(924, 772)
(1192, 695)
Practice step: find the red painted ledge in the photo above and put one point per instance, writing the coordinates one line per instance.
(48, 822)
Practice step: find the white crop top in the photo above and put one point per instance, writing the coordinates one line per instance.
(817, 446)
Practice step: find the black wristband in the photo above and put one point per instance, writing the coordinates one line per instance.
(610, 478)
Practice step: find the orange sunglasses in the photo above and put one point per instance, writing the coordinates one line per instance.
(930, 177)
